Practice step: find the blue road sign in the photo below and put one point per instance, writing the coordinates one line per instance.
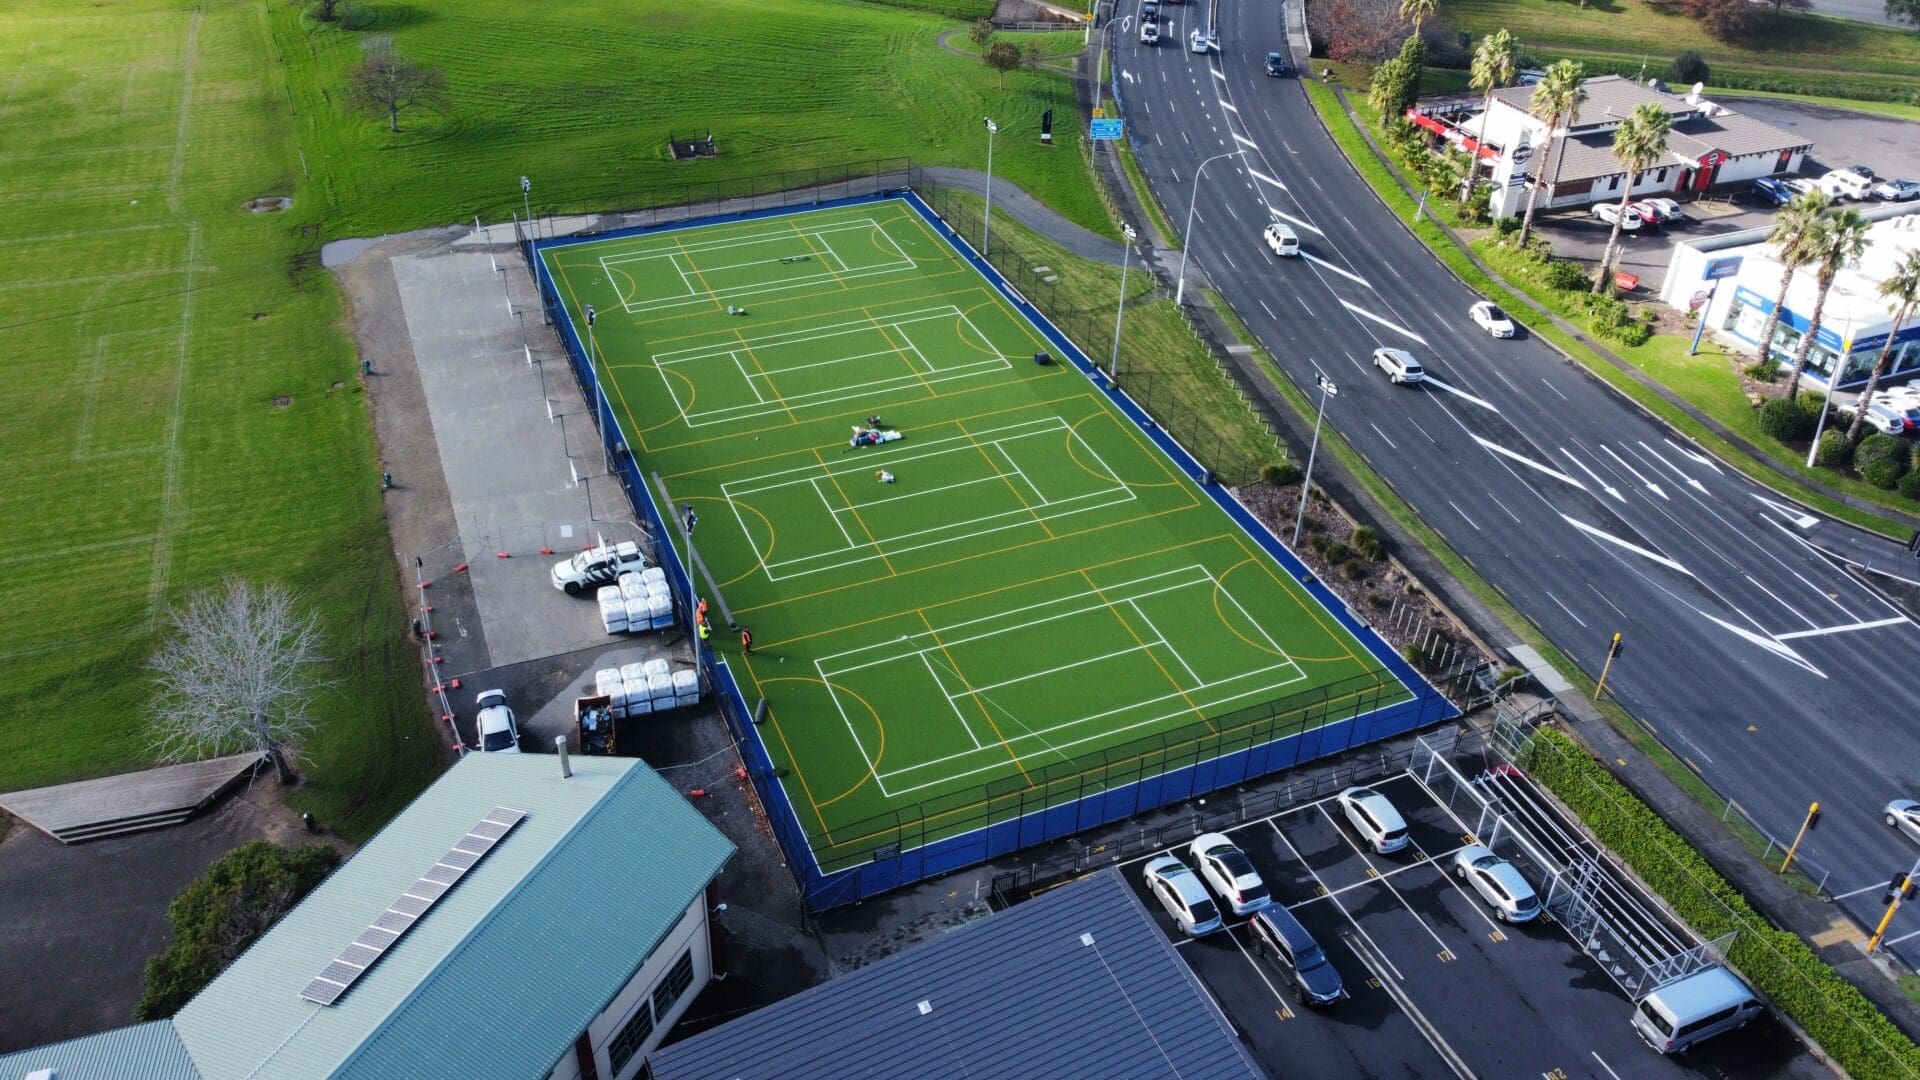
(1721, 269)
(1107, 129)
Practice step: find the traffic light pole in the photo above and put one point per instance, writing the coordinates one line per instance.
(1813, 815)
(1901, 889)
(1613, 650)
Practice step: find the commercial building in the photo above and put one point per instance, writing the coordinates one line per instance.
(1076, 982)
(1854, 324)
(1709, 144)
(513, 921)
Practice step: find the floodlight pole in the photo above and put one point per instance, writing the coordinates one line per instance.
(986, 224)
(1186, 240)
(599, 393)
(1126, 250)
(526, 185)
(1327, 390)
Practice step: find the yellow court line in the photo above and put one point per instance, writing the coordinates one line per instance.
(695, 267)
(767, 301)
(854, 509)
(1008, 480)
(813, 316)
(1144, 647)
(782, 398)
(985, 713)
(900, 352)
(1292, 589)
(817, 253)
(777, 730)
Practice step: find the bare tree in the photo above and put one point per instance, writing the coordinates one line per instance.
(387, 82)
(239, 673)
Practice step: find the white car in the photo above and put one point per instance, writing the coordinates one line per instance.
(1281, 240)
(494, 727)
(1230, 872)
(1904, 815)
(1667, 209)
(1800, 185)
(1610, 213)
(599, 566)
(1895, 411)
(1897, 190)
(1497, 882)
(1149, 33)
(1399, 365)
(1179, 891)
(1374, 818)
(1488, 316)
(1198, 42)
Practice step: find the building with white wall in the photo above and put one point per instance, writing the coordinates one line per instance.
(512, 921)
(1710, 145)
(1854, 324)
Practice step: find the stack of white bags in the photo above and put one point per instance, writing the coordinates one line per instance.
(640, 602)
(642, 688)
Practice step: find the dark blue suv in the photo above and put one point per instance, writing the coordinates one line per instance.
(1280, 938)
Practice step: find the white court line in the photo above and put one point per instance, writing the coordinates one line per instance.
(1348, 274)
(1602, 534)
(954, 705)
(1365, 314)
(1162, 640)
(831, 513)
(815, 333)
(1849, 628)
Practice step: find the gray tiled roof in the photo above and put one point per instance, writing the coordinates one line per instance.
(1608, 96)
(1015, 994)
(1590, 156)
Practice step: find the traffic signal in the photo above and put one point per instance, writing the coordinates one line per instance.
(1813, 816)
(1899, 887)
(1614, 650)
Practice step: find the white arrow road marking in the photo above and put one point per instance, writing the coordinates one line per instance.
(1672, 468)
(1348, 274)
(1459, 393)
(1849, 628)
(1701, 458)
(1365, 314)
(1294, 221)
(1793, 514)
(1127, 75)
(1258, 175)
(1529, 462)
(1650, 485)
(1604, 486)
(1244, 141)
(1601, 534)
(1764, 642)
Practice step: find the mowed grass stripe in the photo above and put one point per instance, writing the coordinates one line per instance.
(958, 540)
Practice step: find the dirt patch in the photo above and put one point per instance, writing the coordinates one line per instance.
(269, 204)
(281, 401)
(259, 316)
(338, 383)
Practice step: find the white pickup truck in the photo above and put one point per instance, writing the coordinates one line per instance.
(599, 566)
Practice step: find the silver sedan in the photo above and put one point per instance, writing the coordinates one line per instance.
(1904, 815)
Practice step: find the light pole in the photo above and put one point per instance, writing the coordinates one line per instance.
(986, 224)
(1193, 203)
(599, 393)
(1327, 390)
(526, 207)
(1126, 250)
(1833, 380)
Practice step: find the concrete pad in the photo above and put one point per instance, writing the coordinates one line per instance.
(158, 797)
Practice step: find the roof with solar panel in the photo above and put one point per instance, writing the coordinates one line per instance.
(502, 882)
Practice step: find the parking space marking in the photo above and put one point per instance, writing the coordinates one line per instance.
(1445, 954)
(1326, 892)
(1473, 901)
(1282, 1012)
(1420, 1022)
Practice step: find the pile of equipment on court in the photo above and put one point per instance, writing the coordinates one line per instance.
(629, 692)
(640, 602)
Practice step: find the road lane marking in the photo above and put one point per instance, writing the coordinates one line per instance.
(1671, 467)
(1463, 514)
(1382, 434)
(1296, 222)
(1847, 629)
(1701, 458)
(1269, 311)
(1565, 608)
(1650, 485)
(1348, 274)
(1764, 641)
(1388, 323)
(1799, 519)
(1604, 486)
(1243, 140)
(1601, 534)
(1461, 394)
(1555, 389)
(1229, 106)
(1503, 506)
(1258, 175)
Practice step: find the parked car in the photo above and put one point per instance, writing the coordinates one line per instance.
(595, 567)
(1772, 191)
(494, 727)
(1897, 190)
(1610, 213)
(1649, 213)
(1399, 365)
(1847, 184)
(1279, 938)
(1904, 815)
(1276, 64)
(1488, 316)
(1669, 210)
(1800, 185)
(1179, 891)
(1497, 882)
(1864, 172)
(1197, 41)
(1230, 872)
(1149, 33)
(1374, 818)
(1892, 411)
(1281, 240)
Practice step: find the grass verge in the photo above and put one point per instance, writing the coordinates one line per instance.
(1656, 354)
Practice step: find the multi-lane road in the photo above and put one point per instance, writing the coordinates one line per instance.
(1780, 678)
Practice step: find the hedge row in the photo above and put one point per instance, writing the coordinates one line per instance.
(1778, 963)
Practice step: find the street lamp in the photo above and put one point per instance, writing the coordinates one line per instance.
(526, 186)
(599, 392)
(986, 223)
(1327, 390)
(1126, 249)
(1193, 203)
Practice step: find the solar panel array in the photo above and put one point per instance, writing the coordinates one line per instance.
(411, 907)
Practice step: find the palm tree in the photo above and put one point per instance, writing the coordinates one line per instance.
(1839, 240)
(1557, 96)
(1903, 288)
(1493, 68)
(1639, 141)
(1791, 227)
(1417, 12)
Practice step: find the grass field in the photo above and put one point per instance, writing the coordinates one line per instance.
(582, 98)
(180, 404)
(1020, 583)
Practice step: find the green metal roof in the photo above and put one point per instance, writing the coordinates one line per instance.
(149, 1051)
(501, 975)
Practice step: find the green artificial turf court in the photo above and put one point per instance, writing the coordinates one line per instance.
(1018, 584)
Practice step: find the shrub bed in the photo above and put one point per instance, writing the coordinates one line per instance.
(1778, 964)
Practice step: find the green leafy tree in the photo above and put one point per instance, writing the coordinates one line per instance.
(1791, 227)
(1418, 12)
(1493, 68)
(1906, 11)
(1691, 67)
(1002, 57)
(1902, 287)
(980, 32)
(1839, 239)
(223, 912)
(1556, 98)
(1639, 142)
(1392, 90)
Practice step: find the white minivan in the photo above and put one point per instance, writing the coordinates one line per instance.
(1282, 240)
(1699, 1006)
(1846, 184)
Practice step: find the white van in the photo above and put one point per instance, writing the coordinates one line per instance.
(1197, 41)
(1846, 184)
(1282, 240)
(1700, 1006)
